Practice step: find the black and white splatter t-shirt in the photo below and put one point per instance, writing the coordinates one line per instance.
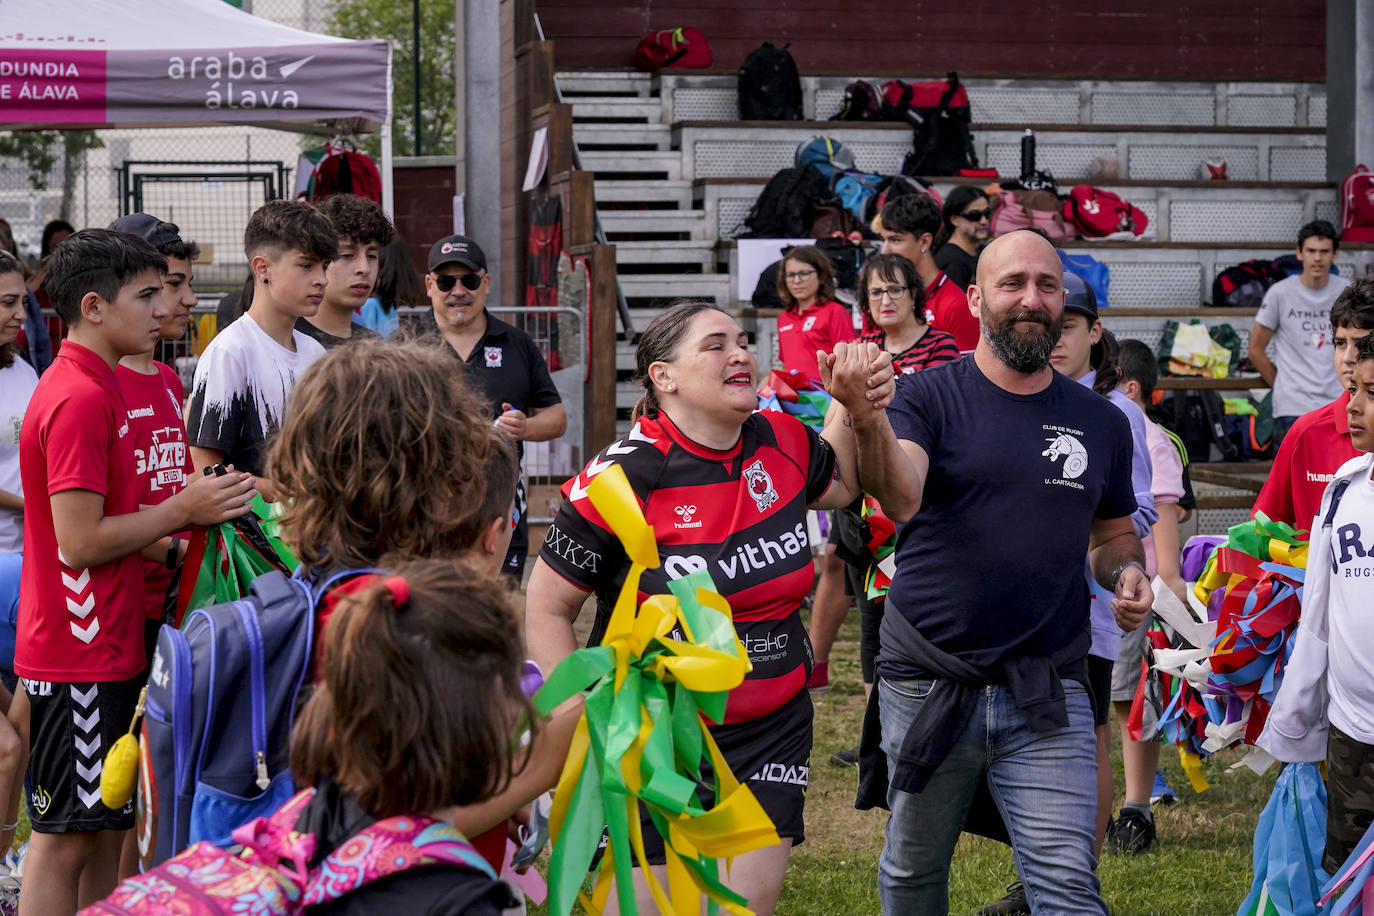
(242, 383)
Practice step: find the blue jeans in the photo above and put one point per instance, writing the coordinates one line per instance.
(1044, 784)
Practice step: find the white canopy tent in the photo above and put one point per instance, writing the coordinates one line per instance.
(191, 63)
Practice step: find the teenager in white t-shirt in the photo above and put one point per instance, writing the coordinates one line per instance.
(244, 378)
(1324, 710)
(1295, 315)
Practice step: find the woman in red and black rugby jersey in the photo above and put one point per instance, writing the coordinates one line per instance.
(891, 296)
(726, 489)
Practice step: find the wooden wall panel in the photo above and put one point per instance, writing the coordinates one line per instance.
(1227, 39)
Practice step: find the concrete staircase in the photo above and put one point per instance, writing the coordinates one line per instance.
(676, 173)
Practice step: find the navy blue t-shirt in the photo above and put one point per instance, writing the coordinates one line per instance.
(992, 564)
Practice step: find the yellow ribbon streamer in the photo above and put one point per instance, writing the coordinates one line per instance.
(652, 667)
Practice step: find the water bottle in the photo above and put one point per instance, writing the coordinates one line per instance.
(1028, 153)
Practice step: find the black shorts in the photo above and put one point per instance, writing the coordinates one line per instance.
(1100, 687)
(71, 728)
(772, 756)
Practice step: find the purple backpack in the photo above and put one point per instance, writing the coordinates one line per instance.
(270, 877)
(861, 103)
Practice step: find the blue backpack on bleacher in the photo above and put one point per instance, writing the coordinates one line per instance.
(854, 189)
(826, 154)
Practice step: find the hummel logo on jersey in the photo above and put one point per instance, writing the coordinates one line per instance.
(760, 485)
(686, 513)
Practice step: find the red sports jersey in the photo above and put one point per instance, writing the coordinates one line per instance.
(947, 309)
(158, 434)
(77, 625)
(740, 514)
(1316, 445)
(801, 334)
(934, 347)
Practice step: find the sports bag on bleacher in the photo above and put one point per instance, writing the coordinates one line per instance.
(939, 114)
(769, 86)
(1357, 206)
(680, 47)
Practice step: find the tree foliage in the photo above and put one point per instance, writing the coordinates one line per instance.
(393, 20)
(39, 151)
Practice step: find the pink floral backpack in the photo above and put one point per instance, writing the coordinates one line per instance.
(270, 877)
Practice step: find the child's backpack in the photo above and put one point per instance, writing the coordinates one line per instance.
(862, 102)
(782, 210)
(1244, 285)
(1357, 206)
(855, 190)
(826, 154)
(271, 878)
(769, 85)
(222, 695)
(1014, 210)
(940, 116)
(680, 47)
(1099, 213)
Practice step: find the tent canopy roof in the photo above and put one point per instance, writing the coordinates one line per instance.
(127, 63)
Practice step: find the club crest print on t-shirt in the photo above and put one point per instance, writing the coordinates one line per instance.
(1066, 444)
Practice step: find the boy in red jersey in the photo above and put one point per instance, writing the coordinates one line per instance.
(1319, 441)
(80, 653)
(153, 395)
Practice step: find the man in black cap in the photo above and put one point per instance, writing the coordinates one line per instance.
(500, 360)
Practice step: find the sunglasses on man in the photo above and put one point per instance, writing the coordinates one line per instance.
(446, 282)
(976, 216)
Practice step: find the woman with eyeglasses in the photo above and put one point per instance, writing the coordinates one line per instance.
(966, 227)
(893, 302)
(813, 320)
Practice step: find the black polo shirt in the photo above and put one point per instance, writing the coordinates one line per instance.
(508, 368)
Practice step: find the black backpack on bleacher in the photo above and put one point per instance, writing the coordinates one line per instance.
(783, 209)
(769, 85)
(1244, 285)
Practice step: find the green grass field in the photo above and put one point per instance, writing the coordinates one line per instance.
(1201, 865)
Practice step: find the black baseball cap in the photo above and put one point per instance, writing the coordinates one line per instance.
(149, 228)
(1079, 296)
(457, 249)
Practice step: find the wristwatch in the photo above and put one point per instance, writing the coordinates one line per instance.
(1116, 573)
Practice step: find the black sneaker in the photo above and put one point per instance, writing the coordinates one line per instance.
(849, 757)
(1014, 904)
(1131, 833)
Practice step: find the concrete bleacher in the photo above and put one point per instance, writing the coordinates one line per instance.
(676, 173)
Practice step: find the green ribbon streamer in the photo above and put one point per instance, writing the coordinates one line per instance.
(671, 761)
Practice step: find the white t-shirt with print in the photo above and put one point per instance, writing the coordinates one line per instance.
(242, 384)
(17, 383)
(1305, 376)
(1350, 646)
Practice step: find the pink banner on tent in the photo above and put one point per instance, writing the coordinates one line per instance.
(52, 85)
